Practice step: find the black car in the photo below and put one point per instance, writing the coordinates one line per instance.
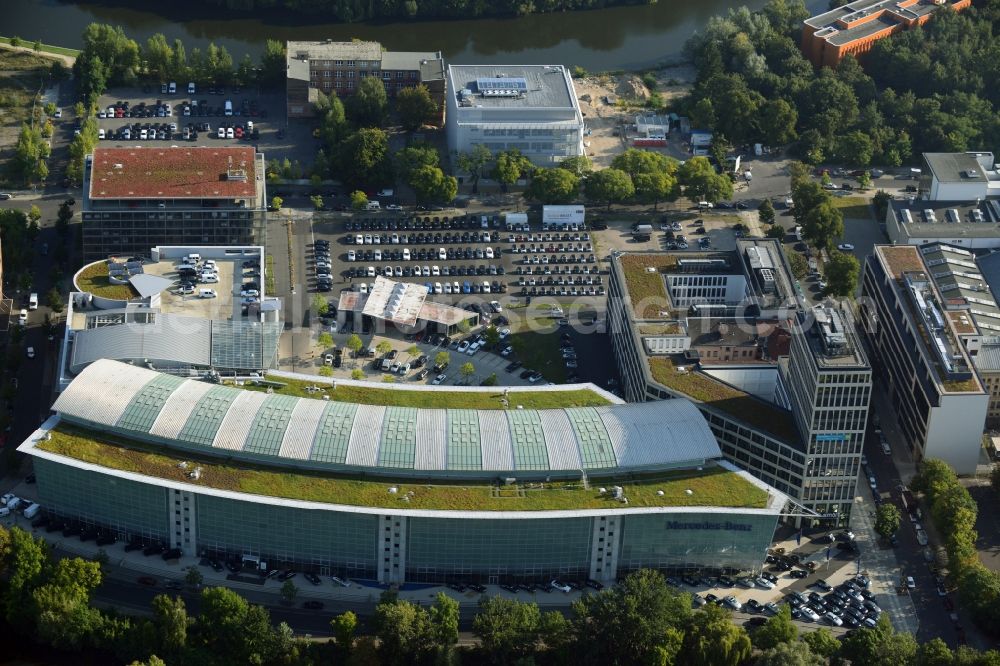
(105, 539)
(153, 549)
(133, 545)
(312, 578)
(172, 554)
(477, 587)
(216, 565)
(313, 605)
(288, 575)
(89, 534)
(509, 588)
(526, 373)
(512, 366)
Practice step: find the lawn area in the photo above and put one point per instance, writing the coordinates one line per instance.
(540, 351)
(94, 278)
(378, 395)
(742, 405)
(646, 288)
(48, 48)
(856, 208)
(713, 486)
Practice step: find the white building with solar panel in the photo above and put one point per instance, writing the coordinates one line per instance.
(532, 108)
(392, 493)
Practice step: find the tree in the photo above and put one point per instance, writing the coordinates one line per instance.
(228, 625)
(842, 274)
(800, 268)
(578, 165)
(822, 225)
(359, 200)
(880, 646)
(432, 184)
(507, 629)
(354, 343)
(317, 201)
(246, 73)
(34, 213)
(54, 300)
(492, 336)
(404, 632)
(630, 622)
(325, 340)
(413, 157)
(276, 203)
(609, 186)
(368, 106)
(776, 231)
(702, 183)
(344, 626)
(288, 591)
(655, 187)
(490, 381)
(15, 41)
(794, 653)
(934, 652)
(441, 358)
(865, 180)
(193, 577)
(553, 186)
(171, 621)
(413, 350)
(474, 163)
(320, 305)
(416, 108)
(272, 63)
(383, 347)
(510, 167)
(364, 157)
(357, 374)
(821, 642)
(467, 369)
(887, 519)
(855, 148)
(765, 212)
(777, 122)
(325, 371)
(779, 630)
(713, 640)
(444, 620)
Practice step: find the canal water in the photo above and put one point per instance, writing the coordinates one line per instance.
(598, 40)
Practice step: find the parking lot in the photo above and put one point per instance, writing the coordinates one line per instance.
(457, 256)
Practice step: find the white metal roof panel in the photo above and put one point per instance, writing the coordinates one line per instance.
(239, 419)
(494, 434)
(560, 440)
(658, 433)
(301, 430)
(106, 393)
(432, 439)
(365, 436)
(178, 408)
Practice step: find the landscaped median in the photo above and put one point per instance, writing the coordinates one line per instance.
(431, 399)
(702, 388)
(711, 486)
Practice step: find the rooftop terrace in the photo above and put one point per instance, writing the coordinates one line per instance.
(712, 486)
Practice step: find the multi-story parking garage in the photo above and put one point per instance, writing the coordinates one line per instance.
(400, 493)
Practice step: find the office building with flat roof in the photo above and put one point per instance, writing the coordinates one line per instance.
(399, 493)
(532, 108)
(920, 357)
(969, 176)
(792, 443)
(853, 29)
(140, 197)
(339, 67)
(973, 224)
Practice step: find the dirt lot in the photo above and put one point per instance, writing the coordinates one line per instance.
(20, 76)
(628, 95)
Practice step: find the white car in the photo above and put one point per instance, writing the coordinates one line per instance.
(463, 346)
(22, 317)
(406, 254)
(425, 271)
(30, 351)
(221, 133)
(562, 587)
(207, 293)
(6, 498)
(436, 271)
(845, 247)
(352, 255)
(394, 207)
(340, 581)
(760, 581)
(489, 253)
(833, 619)
(101, 134)
(496, 306)
(439, 379)
(732, 602)
(230, 133)
(58, 113)
(910, 583)
(442, 254)
(378, 255)
(809, 613)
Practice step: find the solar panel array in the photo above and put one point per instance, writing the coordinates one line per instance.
(135, 401)
(502, 86)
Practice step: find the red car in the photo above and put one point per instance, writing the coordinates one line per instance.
(239, 132)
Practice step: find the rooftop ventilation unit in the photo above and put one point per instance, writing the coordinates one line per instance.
(970, 173)
(501, 86)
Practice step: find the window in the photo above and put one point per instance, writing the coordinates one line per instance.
(400, 75)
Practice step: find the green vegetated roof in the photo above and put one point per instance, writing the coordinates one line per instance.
(647, 289)
(94, 279)
(699, 386)
(711, 486)
(438, 399)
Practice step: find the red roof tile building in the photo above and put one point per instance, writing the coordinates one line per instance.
(855, 27)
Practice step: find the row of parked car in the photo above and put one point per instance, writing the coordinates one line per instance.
(405, 254)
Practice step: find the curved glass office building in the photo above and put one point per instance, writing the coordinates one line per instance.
(394, 493)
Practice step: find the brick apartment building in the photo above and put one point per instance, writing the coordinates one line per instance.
(855, 27)
(330, 66)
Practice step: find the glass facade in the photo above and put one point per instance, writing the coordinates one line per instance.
(130, 508)
(331, 542)
(501, 550)
(695, 541)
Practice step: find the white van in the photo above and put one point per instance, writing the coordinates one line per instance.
(210, 265)
(193, 258)
(374, 205)
(172, 88)
(33, 302)
(191, 88)
(32, 511)
(229, 107)
(207, 293)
